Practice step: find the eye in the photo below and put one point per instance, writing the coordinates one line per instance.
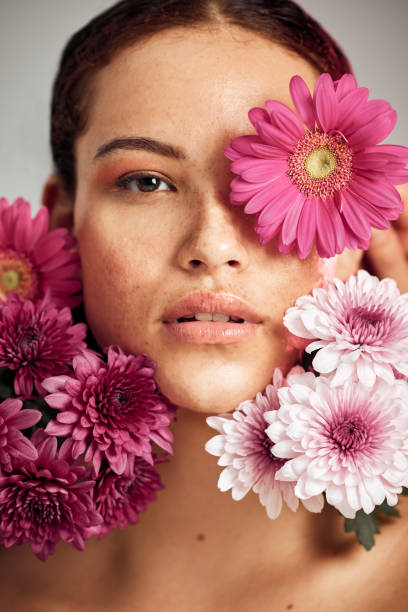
(143, 183)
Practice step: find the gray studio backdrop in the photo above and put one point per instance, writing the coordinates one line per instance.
(33, 32)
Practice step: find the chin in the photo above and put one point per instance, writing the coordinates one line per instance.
(212, 388)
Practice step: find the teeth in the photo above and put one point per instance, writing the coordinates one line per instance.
(218, 316)
(204, 316)
(210, 316)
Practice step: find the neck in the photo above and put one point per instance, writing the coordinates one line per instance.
(195, 531)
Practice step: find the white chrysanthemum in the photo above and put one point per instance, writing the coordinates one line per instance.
(245, 451)
(360, 327)
(349, 442)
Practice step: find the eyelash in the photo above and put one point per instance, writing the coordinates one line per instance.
(125, 182)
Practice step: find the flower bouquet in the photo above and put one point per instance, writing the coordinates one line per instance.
(76, 428)
(336, 429)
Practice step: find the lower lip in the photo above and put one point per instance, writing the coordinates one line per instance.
(215, 332)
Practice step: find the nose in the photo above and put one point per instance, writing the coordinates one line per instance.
(214, 239)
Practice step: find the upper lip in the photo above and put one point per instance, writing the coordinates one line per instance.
(211, 302)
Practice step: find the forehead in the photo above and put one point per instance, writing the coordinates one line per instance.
(190, 87)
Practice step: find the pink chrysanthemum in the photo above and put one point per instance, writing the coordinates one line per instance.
(349, 442)
(360, 328)
(14, 446)
(34, 260)
(111, 410)
(331, 181)
(245, 450)
(37, 340)
(45, 501)
(121, 499)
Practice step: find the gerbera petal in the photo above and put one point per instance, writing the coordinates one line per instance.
(240, 146)
(266, 195)
(264, 170)
(382, 194)
(265, 151)
(326, 103)
(284, 118)
(307, 227)
(302, 101)
(290, 224)
(352, 213)
(346, 84)
(373, 132)
(274, 136)
(326, 239)
(257, 114)
(281, 202)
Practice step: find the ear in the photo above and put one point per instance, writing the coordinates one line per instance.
(60, 205)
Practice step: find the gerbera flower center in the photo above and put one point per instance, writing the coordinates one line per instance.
(17, 275)
(366, 326)
(321, 164)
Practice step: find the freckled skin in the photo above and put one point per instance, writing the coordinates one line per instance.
(192, 90)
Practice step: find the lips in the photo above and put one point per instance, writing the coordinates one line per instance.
(211, 318)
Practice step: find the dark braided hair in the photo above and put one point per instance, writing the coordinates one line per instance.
(130, 21)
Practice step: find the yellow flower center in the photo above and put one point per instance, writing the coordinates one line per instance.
(320, 163)
(10, 280)
(16, 275)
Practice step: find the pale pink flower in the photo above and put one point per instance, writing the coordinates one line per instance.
(325, 179)
(46, 500)
(350, 443)
(14, 446)
(37, 340)
(245, 452)
(359, 328)
(121, 499)
(112, 410)
(34, 260)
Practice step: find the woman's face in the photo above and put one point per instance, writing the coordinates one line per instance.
(158, 238)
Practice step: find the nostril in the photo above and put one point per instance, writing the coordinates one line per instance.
(233, 263)
(195, 263)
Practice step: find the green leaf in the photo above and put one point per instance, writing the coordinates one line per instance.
(365, 526)
(388, 510)
(404, 491)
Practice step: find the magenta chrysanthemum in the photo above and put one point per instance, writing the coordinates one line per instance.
(350, 443)
(245, 451)
(34, 260)
(331, 182)
(45, 501)
(111, 410)
(121, 499)
(14, 446)
(360, 328)
(37, 340)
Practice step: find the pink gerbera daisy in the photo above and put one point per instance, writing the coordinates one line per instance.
(34, 260)
(329, 181)
(36, 340)
(359, 328)
(14, 446)
(112, 410)
(350, 443)
(246, 452)
(46, 500)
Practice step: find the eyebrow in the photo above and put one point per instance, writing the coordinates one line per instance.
(139, 144)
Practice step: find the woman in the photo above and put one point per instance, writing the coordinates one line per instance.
(147, 98)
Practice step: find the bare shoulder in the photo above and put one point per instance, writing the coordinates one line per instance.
(69, 581)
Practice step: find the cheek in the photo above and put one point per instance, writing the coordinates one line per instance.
(121, 276)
